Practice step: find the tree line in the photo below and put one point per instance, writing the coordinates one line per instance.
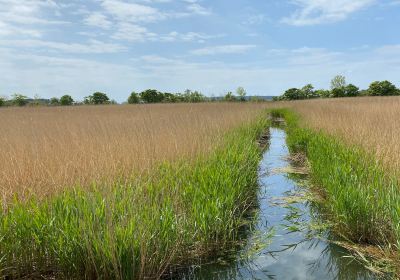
(146, 96)
(340, 88)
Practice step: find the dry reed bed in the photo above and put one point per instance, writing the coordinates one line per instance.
(48, 149)
(370, 122)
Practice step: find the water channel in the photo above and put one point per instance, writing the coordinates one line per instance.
(286, 241)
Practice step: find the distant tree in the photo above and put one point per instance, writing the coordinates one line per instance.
(241, 92)
(99, 98)
(338, 92)
(229, 97)
(66, 100)
(308, 92)
(382, 88)
(292, 94)
(338, 81)
(351, 90)
(133, 98)
(2, 101)
(19, 99)
(193, 96)
(54, 101)
(151, 96)
(259, 99)
(169, 97)
(323, 93)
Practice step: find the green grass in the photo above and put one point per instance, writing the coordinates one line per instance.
(360, 196)
(137, 228)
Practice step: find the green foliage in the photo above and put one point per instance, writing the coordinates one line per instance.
(338, 92)
(54, 101)
(351, 90)
(241, 92)
(66, 100)
(384, 88)
(323, 93)
(98, 98)
(151, 96)
(133, 98)
(338, 82)
(308, 92)
(292, 94)
(361, 198)
(19, 99)
(2, 101)
(229, 97)
(193, 96)
(136, 229)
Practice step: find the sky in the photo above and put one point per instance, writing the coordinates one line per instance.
(55, 47)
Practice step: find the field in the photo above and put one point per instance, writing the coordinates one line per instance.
(45, 150)
(134, 192)
(124, 192)
(369, 122)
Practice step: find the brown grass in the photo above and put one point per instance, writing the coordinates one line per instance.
(371, 122)
(45, 150)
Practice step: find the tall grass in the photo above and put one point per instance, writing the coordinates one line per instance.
(139, 227)
(45, 150)
(361, 197)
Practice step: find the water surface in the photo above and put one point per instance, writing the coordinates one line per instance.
(285, 242)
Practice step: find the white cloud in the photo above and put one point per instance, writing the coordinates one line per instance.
(131, 12)
(98, 20)
(93, 46)
(313, 12)
(224, 49)
(196, 8)
(132, 32)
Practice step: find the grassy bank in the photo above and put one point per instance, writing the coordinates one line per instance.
(136, 228)
(361, 197)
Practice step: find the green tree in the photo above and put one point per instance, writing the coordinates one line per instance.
(241, 92)
(229, 97)
(308, 92)
(383, 88)
(338, 81)
(2, 101)
(133, 98)
(54, 101)
(19, 99)
(99, 98)
(151, 96)
(292, 94)
(66, 100)
(351, 90)
(323, 93)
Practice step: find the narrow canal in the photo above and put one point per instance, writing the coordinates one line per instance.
(287, 242)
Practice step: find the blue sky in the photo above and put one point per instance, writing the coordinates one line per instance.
(50, 48)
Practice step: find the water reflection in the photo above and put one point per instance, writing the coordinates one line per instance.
(295, 251)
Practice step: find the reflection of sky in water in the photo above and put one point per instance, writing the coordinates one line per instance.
(309, 259)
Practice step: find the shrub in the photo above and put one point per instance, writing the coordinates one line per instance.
(2, 101)
(241, 92)
(19, 100)
(54, 101)
(133, 98)
(66, 100)
(151, 96)
(229, 97)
